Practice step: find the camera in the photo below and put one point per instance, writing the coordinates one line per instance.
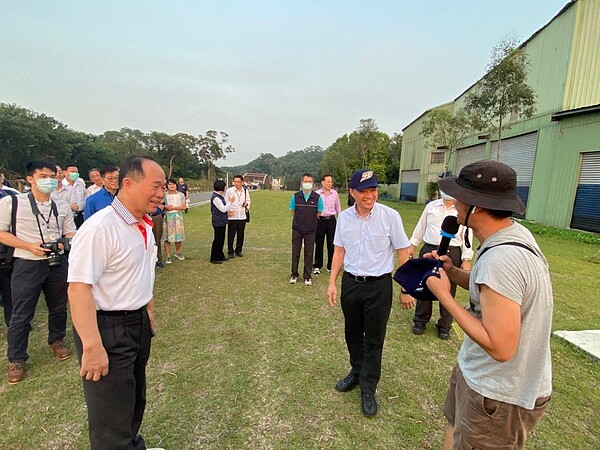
(66, 242)
(53, 257)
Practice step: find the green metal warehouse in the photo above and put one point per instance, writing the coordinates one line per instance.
(556, 153)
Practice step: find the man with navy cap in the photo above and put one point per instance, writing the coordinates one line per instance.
(502, 383)
(366, 237)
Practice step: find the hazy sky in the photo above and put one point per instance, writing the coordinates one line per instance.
(276, 76)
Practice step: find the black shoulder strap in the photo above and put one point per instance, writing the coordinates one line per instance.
(516, 244)
(13, 216)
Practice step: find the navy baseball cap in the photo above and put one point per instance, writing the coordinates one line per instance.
(363, 179)
(413, 274)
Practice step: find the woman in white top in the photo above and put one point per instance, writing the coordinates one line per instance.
(175, 232)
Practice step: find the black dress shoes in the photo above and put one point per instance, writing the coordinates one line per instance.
(216, 261)
(419, 328)
(239, 255)
(369, 405)
(347, 384)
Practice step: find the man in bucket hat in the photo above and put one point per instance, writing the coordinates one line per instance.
(366, 237)
(502, 383)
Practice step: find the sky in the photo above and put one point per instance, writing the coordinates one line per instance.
(277, 76)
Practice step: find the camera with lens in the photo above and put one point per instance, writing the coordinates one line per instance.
(66, 242)
(53, 256)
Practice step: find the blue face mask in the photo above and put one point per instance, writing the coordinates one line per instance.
(46, 185)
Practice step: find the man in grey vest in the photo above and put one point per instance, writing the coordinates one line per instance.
(502, 383)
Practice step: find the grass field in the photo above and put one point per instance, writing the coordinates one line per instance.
(243, 359)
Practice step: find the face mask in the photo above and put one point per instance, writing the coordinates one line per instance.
(307, 186)
(73, 176)
(46, 185)
(446, 196)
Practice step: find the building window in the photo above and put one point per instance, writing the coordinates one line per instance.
(437, 157)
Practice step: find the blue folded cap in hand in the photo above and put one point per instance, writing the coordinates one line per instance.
(413, 274)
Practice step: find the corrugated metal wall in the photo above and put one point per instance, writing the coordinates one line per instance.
(583, 80)
(586, 214)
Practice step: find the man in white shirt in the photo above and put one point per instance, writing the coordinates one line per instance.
(239, 198)
(38, 264)
(62, 191)
(112, 305)
(96, 179)
(428, 230)
(77, 193)
(366, 238)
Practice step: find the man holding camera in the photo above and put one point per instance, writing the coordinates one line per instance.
(38, 265)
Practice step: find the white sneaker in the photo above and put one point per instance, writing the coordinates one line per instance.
(308, 282)
(316, 271)
(179, 256)
(168, 261)
(293, 280)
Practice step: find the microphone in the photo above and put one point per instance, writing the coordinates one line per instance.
(449, 230)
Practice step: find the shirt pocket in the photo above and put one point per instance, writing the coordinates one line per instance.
(378, 243)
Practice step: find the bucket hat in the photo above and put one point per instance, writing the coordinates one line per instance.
(488, 184)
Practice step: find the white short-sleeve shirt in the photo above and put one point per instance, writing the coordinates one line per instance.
(109, 252)
(369, 243)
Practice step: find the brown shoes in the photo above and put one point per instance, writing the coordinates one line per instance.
(16, 371)
(60, 351)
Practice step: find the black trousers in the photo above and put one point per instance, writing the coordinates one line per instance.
(309, 246)
(235, 227)
(216, 251)
(5, 292)
(325, 229)
(29, 279)
(423, 310)
(116, 403)
(366, 308)
(78, 218)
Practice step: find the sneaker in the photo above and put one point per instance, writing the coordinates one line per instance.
(316, 271)
(328, 270)
(16, 371)
(308, 282)
(159, 264)
(168, 261)
(293, 280)
(61, 352)
(179, 256)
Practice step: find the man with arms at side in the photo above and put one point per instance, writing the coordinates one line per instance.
(239, 197)
(366, 237)
(40, 221)
(77, 185)
(62, 191)
(326, 224)
(306, 206)
(105, 196)
(112, 305)
(96, 179)
(502, 383)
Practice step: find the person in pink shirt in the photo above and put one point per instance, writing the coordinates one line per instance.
(327, 222)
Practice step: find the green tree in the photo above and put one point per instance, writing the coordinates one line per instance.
(502, 91)
(447, 131)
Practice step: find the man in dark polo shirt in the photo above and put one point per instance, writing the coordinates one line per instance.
(366, 237)
(306, 207)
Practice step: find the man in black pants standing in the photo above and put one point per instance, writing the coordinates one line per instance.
(366, 237)
(112, 305)
(306, 207)
(40, 221)
(428, 230)
(327, 222)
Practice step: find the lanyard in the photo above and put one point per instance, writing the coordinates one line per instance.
(36, 212)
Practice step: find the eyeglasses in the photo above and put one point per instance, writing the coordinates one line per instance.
(111, 178)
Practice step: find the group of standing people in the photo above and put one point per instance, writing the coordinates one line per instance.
(230, 211)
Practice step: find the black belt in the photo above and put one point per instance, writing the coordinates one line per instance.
(326, 217)
(100, 312)
(436, 246)
(367, 279)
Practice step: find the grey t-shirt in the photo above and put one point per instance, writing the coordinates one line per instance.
(522, 277)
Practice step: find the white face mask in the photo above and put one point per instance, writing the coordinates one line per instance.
(446, 196)
(307, 186)
(46, 185)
